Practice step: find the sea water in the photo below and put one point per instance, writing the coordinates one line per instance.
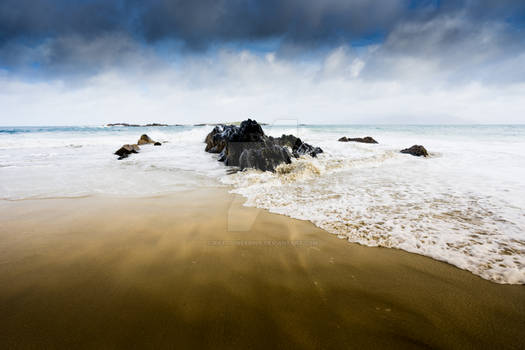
(465, 204)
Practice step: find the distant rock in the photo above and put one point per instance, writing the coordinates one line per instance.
(416, 150)
(246, 146)
(136, 125)
(123, 124)
(126, 150)
(144, 140)
(366, 139)
(155, 124)
(157, 144)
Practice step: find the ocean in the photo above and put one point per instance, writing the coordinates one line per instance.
(465, 204)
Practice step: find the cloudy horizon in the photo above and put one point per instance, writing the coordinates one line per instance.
(92, 62)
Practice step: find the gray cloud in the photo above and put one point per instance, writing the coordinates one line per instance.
(198, 23)
(453, 47)
(463, 39)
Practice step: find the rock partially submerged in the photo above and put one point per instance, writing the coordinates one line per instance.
(126, 150)
(265, 158)
(246, 146)
(144, 140)
(366, 139)
(416, 150)
(301, 148)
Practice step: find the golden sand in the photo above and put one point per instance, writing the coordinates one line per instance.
(198, 270)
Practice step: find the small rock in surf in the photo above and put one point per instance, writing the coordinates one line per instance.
(366, 139)
(144, 140)
(126, 150)
(416, 150)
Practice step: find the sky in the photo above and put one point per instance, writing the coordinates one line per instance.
(90, 62)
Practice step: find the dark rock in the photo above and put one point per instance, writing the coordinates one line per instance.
(298, 147)
(145, 139)
(250, 131)
(265, 158)
(302, 148)
(285, 140)
(157, 144)
(216, 139)
(246, 146)
(416, 150)
(366, 139)
(126, 150)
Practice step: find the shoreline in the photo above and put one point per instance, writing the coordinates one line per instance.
(239, 199)
(114, 272)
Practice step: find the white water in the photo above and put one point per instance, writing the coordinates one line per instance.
(464, 205)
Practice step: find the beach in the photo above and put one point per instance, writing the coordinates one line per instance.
(198, 269)
(262, 174)
(463, 204)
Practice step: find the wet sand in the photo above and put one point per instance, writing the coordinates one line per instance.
(198, 270)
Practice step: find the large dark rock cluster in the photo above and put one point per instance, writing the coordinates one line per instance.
(246, 146)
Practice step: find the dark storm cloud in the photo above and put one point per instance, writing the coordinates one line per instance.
(198, 22)
(98, 32)
(36, 19)
(303, 21)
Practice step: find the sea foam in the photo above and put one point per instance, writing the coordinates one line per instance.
(463, 205)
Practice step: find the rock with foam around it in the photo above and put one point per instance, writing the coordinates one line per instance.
(246, 146)
(416, 150)
(126, 150)
(366, 139)
(144, 140)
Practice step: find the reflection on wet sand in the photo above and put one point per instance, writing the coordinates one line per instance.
(199, 270)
